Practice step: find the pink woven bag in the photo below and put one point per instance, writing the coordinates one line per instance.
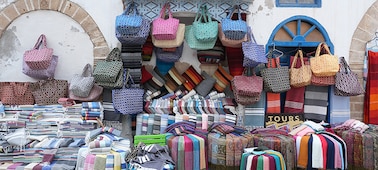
(165, 29)
(40, 56)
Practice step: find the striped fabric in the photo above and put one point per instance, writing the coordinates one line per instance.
(235, 60)
(192, 77)
(223, 79)
(371, 96)
(316, 102)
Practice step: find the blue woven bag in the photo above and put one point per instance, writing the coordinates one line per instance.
(137, 39)
(254, 54)
(169, 56)
(234, 29)
(127, 22)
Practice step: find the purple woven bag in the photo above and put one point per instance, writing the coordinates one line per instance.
(49, 72)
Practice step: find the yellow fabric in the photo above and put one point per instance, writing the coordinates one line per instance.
(303, 152)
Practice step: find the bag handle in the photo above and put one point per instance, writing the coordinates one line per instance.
(344, 65)
(202, 13)
(114, 55)
(319, 48)
(270, 58)
(87, 71)
(251, 36)
(234, 9)
(166, 6)
(41, 41)
(131, 6)
(294, 63)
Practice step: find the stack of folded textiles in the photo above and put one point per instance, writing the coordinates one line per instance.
(91, 111)
(30, 116)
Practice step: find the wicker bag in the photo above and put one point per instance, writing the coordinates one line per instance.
(81, 84)
(276, 80)
(108, 70)
(128, 100)
(165, 29)
(300, 77)
(49, 91)
(347, 83)
(234, 29)
(127, 22)
(16, 93)
(40, 56)
(325, 64)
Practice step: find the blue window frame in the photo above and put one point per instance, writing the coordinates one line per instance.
(299, 3)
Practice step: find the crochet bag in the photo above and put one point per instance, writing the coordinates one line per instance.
(169, 56)
(49, 91)
(40, 56)
(347, 83)
(165, 29)
(128, 23)
(325, 64)
(49, 72)
(247, 89)
(300, 77)
(254, 54)
(204, 28)
(276, 80)
(136, 39)
(229, 42)
(128, 100)
(108, 70)
(16, 93)
(234, 29)
(81, 84)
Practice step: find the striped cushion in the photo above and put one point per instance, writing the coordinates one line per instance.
(192, 78)
(223, 79)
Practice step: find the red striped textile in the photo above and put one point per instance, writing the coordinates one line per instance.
(371, 96)
(273, 100)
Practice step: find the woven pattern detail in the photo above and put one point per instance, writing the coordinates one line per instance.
(171, 43)
(117, 84)
(40, 56)
(165, 29)
(347, 81)
(276, 80)
(194, 43)
(300, 77)
(129, 22)
(229, 42)
(16, 93)
(43, 73)
(247, 85)
(108, 70)
(254, 54)
(234, 29)
(81, 84)
(322, 81)
(169, 56)
(206, 30)
(94, 94)
(47, 92)
(138, 38)
(325, 64)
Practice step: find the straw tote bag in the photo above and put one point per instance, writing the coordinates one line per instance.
(325, 64)
(300, 77)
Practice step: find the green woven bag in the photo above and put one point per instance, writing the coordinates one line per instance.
(204, 28)
(107, 71)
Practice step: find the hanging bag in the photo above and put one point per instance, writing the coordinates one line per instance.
(169, 56)
(165, 29)
(247, 89)
(204, 28)
(127, 22)
(129, 99)
(229, 42)
(254, 54)
(107, 71)
(40, 56)
(325, 64)
(234, 29)
(81, 84)
(300, 77)
(277, 79)
(347, 83)
(16, 93)
(49, 91)
(41, 74)
(137, 39)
